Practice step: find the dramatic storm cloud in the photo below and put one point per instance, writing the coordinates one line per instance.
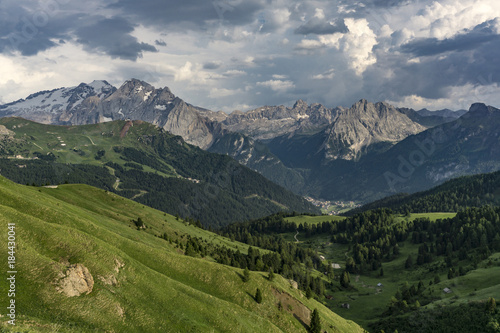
(240, 54)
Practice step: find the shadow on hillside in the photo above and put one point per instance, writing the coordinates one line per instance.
(252, 296)
(300, 321)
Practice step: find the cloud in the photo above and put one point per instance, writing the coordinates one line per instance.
(277, 85)
(468, 40)
(195, 74)
(234, 72)
(358, 45)
(280, 76)
(30, 29)
(160, 42)
(254, 52)
(328, 75)
(320, 26)
(273, 20)
(192, 15)
(212, 65)
(112, 36)
(222, 92)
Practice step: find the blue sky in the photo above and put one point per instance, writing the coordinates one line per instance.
(241, 54)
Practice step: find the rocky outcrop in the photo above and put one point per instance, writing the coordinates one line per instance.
(76, 281)
(269, 122)
(365, 124)
(4, 131)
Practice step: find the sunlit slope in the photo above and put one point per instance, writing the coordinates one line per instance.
(142, 282)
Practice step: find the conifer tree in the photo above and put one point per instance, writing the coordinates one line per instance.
(258, 296)
(315, 326)
(271, 275)
(246, 275)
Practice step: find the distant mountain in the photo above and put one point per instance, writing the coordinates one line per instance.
(56, 106)
(268, 122)
(353, 132)
(445, 113)
(468, 145)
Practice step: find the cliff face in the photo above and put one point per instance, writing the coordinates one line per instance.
(365, 124)
(269, 122)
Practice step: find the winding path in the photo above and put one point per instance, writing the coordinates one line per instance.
(296, 240)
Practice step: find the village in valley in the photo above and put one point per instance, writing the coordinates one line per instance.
(333, 207)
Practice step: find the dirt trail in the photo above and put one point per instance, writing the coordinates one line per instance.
(296, 240)
(125, 129)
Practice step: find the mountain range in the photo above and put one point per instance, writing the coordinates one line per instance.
(328, 153)
(142, 162)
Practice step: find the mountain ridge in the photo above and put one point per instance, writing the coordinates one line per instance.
(286, 144)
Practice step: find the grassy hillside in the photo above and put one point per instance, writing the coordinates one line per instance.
(143, 283)
(140, 161)
(313, 219)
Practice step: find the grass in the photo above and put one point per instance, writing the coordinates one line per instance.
(431, 216)
(158, 288)
(313, 219)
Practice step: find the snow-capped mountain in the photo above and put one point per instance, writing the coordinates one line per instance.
(48, 106)
(100, 102)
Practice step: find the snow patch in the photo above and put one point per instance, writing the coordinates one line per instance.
(146, 95)
(98, 85)
(106, 119)
(160, 107)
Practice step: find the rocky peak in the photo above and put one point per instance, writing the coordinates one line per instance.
(134, 86)
(364, 124)
(300, 104)
(481, 109)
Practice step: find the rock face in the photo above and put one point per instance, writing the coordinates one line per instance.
(4, 131)
(76, 281)
(269, 122)
(365, 124)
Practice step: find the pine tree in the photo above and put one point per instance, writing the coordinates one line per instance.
(258, 296)
(308, 292)
(271, 275)
(491, 305)
(315, 326)
(246, 275)
(345, 280)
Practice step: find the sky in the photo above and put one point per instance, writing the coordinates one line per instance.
(241, 54)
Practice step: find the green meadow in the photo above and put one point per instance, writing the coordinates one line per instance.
(154, 288)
